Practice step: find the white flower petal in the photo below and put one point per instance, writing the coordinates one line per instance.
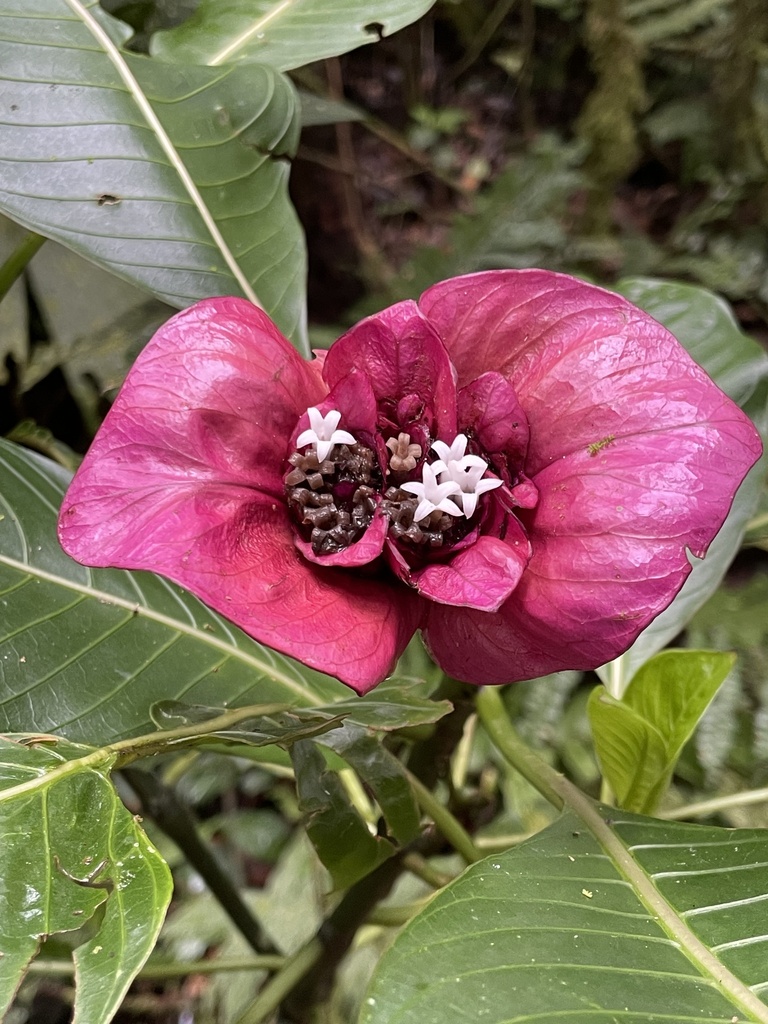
(324, 449)
(306, 437)
(488, 485)
(446, 505)
(469, 503)
(424, 509)
(315, 420)
(442, 450)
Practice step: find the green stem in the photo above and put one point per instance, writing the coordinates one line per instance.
(453, 831)
(499, 844)
(175, 969)
(421, 868)
(283, 982)
(161, 803)
(719, 803)
(394, 917)
(493, 715)
(118, 755)
(17, 262)
(563, 794)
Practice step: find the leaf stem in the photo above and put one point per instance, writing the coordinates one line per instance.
(421, 868)
(124, 752)
(562, 793)
(493, 715)
(394, 917)
(453, 831)
(17, 262)
(161, 803)
(174, 969)
(701, 808)
(282, 983)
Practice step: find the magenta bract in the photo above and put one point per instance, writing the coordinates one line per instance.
(515, 465)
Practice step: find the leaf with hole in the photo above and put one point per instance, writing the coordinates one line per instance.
(594, 919)
(640, 737)
(71, 849)
(174, 178)
(283, 33)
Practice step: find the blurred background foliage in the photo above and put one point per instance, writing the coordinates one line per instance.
(601, 138)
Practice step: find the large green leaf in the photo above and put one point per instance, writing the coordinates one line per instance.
(88, 651)
(382, 773)
(705, 325)
(341, 838)
(283, 33)
(639, 737)
(596, 919)
(172, 177)
(69, 847)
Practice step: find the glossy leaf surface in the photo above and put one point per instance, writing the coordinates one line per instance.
(704, 324)
(382, 773)
(639, 738)
(283, 33)
(171, 177)
(88, 651)
(631, 920)
(341, 838)
(69, 847)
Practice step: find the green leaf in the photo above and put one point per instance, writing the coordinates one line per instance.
(171, 177)
(394, 704)
(339, 835)
(704, 324)
(639, 738)
(283, 33)
(383, 774)
(69, 847)
(273, 726)
(88, 651)
(594, 920)
(316, 110)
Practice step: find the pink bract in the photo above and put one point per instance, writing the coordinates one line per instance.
(616, 454)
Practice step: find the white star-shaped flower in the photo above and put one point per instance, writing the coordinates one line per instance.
(433, 494)
(453, 453)
(322, 433)
(465, 471)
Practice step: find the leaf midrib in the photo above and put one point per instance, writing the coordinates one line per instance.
(135, 608)
(245, 37)
(668, 919)
(113, 54)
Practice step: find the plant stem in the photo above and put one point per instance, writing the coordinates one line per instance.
(718, 803)
(498, 844)
(453, 831)
(17, 262)
(161, 803)
(563, 794)
(282, 983)
(421, 868)
(394, 917)
(429, 760)
(118, 755)
(493, 715)
(175, 969)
